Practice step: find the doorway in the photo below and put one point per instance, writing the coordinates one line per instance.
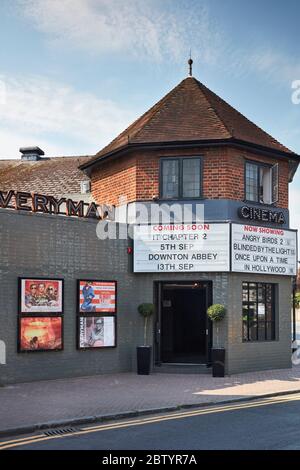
(184, 331)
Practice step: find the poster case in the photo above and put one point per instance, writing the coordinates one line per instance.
(40, 333)
(96, 296)
(38, 295)
(96, 332)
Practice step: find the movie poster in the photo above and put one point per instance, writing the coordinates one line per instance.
(97, 297)
(96, 332)
(41, 295)
(40, 333)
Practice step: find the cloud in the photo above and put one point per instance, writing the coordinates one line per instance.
(11, 141)
(274, 65)
(149, 29)
(155, 31)
(41, 110)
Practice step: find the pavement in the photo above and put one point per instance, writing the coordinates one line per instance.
(264, 424)
(28, 407)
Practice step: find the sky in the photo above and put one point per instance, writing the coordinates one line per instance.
(75, 73)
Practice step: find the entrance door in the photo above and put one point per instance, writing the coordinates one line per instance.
(184, 329)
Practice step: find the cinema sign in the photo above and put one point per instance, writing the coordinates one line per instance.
(263, 250)
(211, 247)
(33, 202)
(182, 247)
(261, 215)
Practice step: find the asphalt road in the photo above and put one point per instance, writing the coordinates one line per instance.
(265, 424)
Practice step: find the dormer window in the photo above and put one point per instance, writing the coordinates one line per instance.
(180, 178)
(261, 183)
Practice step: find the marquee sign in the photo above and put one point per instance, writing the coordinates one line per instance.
(181, 247)
(263, 250)
(33, 202)
(206, 248)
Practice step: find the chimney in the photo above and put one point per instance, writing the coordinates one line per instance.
(31, 153)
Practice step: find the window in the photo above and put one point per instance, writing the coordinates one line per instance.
(170, 179)
(180, 178)
(258, 311)
(261, 183)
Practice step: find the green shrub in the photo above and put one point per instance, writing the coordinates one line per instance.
(216, 312)
(146, 310)
(297, 300)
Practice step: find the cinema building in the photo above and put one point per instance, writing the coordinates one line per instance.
(71, 281)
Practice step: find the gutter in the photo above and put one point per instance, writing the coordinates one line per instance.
(293, 157)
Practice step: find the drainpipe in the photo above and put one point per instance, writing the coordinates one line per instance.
(294, 348)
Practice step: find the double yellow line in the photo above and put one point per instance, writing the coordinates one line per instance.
(151, 420)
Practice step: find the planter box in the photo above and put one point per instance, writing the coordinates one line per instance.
(144, 359)
(218, 362)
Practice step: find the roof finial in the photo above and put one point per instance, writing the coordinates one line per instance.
(190, 62)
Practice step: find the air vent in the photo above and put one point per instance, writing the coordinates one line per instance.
(59, 432)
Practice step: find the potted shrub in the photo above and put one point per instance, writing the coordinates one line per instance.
(216, 313)
(144, 352)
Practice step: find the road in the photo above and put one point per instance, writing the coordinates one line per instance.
(272, 423)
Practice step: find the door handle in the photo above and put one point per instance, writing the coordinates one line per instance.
(157, 336)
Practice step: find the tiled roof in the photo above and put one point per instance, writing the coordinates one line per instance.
(191, 112)
(56, 176)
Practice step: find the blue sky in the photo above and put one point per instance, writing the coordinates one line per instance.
(74, 73)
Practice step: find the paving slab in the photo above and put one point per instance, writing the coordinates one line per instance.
(26, 407)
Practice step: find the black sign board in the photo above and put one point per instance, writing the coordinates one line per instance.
(261, 215)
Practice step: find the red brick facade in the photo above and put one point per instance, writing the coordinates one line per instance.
(136, 175)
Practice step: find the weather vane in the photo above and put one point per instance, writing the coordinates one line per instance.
(190, 62)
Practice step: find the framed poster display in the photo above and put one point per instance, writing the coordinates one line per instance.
(38, 295)
(97, 296)
(96, 332)
(40, 333)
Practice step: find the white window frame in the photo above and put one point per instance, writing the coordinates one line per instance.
(267, 183)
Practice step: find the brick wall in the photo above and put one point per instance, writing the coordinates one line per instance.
(115, 179)
(34, 245)
(136, 176)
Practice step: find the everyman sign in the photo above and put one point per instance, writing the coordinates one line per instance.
(33, 202)
(264, 250)
(181, 247)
